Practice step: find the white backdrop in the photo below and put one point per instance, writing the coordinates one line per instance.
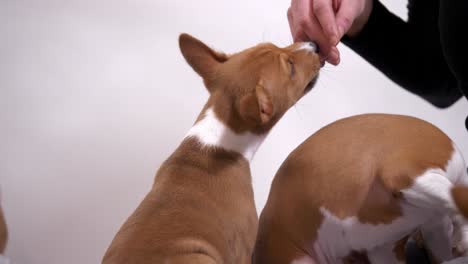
(94, 95)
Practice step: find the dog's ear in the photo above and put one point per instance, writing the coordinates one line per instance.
(258, 106)
(199, 56)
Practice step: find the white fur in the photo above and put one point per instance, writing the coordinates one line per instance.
(303, 260)
(432, 191)
(456, 168)
(212, 132)
(428, 199)
(337, 238)
(437, 235)
(308, 46)
(460, 237)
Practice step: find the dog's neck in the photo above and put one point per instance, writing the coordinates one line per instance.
(212, 132)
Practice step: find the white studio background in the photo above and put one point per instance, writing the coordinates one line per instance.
(94, 95)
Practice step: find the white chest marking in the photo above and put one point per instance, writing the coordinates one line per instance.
(211, 131)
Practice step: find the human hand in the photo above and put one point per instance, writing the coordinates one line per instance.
(326, 22)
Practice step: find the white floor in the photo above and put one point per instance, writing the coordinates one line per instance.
(94, 95)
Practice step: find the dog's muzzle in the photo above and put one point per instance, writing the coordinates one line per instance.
(314, 47)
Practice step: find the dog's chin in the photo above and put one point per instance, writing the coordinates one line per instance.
(310, 85)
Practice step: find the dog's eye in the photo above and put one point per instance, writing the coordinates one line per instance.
(291, 67)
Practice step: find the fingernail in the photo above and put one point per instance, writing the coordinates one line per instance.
(337, 60)
(334, 58)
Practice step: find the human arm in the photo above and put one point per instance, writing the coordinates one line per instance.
(409, 53)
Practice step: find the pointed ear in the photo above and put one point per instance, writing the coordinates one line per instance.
(257, 106)
(199, 56)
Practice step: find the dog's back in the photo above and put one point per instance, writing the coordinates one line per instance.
(360, 185)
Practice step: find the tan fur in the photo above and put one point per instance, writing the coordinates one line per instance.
(399, 249)
(353, 167)
(201, 207)
(460, 196)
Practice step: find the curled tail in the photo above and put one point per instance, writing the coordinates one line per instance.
(460, 197)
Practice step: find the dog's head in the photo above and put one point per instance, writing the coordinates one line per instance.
(252, 89)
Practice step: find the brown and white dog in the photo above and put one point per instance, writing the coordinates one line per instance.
(354, 191)
(201, 206)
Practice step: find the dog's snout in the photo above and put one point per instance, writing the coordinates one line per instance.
(314, 47)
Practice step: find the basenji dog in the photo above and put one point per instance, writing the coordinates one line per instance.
(354, 191)
(201, 206)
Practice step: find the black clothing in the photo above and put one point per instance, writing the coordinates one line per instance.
(427, 55)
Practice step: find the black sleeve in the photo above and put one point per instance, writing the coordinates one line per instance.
(453, 25)
(409, 53)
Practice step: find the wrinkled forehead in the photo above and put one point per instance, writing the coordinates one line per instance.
(257, 57)
(264, 54)
(267, 57)
(262, 50)
(272, 48)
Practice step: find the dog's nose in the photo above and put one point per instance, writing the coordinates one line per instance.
(314, 47)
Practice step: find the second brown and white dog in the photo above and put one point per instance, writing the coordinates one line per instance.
(354, 191)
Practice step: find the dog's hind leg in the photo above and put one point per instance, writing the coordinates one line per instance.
(437, 236)
(460, 238)
(460, 235)
(433, 191)
(385, 254)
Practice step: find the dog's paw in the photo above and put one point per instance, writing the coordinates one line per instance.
(460, 240)
(460, 248)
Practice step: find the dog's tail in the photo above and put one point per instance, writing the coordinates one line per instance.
(460, 197)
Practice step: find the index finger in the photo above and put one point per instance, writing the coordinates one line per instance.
(296, 32)
(323, 11)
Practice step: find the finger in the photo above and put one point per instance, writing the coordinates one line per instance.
(334, 56)
(297, 33)
(305, 26)
(345, 17)
(335, 5)
(314, 32)
(323, 11)
(301, 36)
(298, 18)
